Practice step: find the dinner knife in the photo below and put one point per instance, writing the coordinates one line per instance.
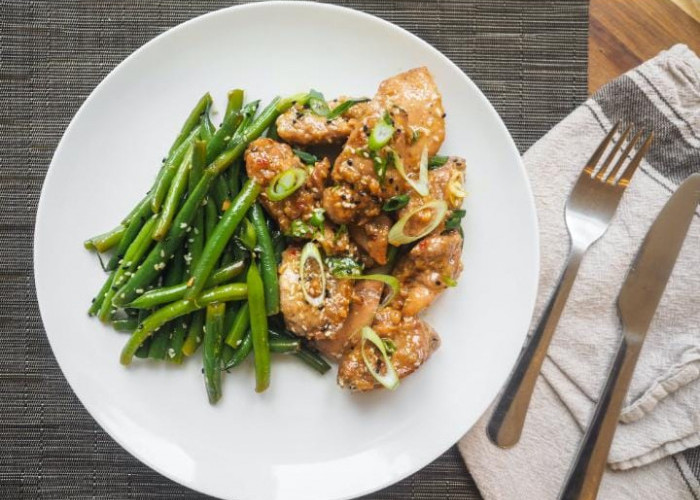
(636, 304)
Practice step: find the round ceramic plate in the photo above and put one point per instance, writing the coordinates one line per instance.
(304, 438)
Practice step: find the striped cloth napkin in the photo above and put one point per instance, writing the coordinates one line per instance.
(661, 417)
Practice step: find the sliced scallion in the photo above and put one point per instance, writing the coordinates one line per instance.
(388, 280)
(381, 134)
(286, 183)
(390, 379)
(397, 234)
(420, 186)
(310, 253)
(307, 158)
(396, 202)
(318, 103)
(437, 161)
(344, 106)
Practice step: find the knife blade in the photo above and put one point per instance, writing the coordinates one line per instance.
(651, 268)
(637, 302)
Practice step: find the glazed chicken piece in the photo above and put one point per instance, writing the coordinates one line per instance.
(264, 159)
(446, 183)
(414, 340)
(432, 265)
(302, 318)
(366, 295)
(415, 92)
(373, 237)
(412, 102)
(299, 125)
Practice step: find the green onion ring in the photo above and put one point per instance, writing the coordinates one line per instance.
(387, 279)
(390, 379)
(286, 183)
(310, 251)
(397, 236)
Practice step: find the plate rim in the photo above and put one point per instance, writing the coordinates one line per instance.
(339, 10)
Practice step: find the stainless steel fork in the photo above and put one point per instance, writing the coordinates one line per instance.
(589, 209)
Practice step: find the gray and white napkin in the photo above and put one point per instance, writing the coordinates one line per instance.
(661, 417)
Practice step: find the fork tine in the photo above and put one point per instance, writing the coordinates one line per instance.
(632, 167)
(610, 179)
(613, 152)
(593, 161)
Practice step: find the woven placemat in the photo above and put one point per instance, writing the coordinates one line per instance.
(529, 57)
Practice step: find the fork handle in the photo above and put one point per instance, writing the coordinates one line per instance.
(506, 423)
(583, 480)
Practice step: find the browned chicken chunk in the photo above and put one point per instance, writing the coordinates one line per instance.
(430, 267)
(414, 340)
(265, 159)
(302, 318)
(300, 125)
(366, 295)
(446, 183)
(412, 102)
(373, 237)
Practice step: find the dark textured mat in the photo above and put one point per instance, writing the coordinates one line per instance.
(529, 57)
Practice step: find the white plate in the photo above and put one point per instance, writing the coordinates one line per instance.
(304, 438)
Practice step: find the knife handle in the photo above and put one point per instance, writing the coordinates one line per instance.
(508, 418)
(584, 477)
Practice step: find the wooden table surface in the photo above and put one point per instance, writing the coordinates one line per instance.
(625, 33)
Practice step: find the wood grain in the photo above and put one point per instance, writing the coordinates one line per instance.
(625, 33)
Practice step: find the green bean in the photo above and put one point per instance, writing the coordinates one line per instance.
(220, 194)
(234, 103)
(139, 207)
(132, 229)
(241, 353)
(223, 135)
(211, 358)
(192, 120)
(234, 184)
(195, 332)
(313, 359)
(306, 354)
(248, 113)
(161, 340)
(163, 295)
(227, 353)
(99, 298)
(177, 340)
(252, 132)
(131, 260)
(240, 325)
(258, 328)
(220, 237)
(125, 325)
(105, 241)
(142, 351)
(225, 293)
(208, 128)
(174, 196)
(285, 346)
(151, 267)
(165, 177)
(155, 262)
(268, 260)
(211, 218)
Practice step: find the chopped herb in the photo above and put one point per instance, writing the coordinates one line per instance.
(389, 346)
(272, 132)
(396, 202)
(300, 229)
(317, 218)
(343, 266)
(381, 134)
(380, 165)
(342, 230)
(437, 161)
(454, 220)
(318, 103)
(344, 106)
(449, 281)
(307, 158)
